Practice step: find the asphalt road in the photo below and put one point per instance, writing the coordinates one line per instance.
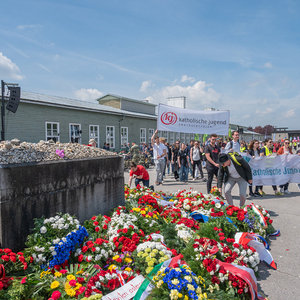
(280, 284)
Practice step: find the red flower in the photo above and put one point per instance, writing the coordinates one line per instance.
(63, 271)
(72, 282)
(125, 230)
(80, 258)
(96, 223)
(229, 212)
(94, 218)
(104, 226)
(23, 280)
(84, 249)
(7, 250)
(56, 295)
(80, 280)
(5, 257)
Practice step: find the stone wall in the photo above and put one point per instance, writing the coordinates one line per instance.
(81, 187)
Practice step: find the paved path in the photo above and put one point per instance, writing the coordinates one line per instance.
(283, 283)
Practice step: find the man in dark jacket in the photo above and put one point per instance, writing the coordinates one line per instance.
(234, 169)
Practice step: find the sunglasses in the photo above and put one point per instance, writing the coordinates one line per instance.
(286, 142)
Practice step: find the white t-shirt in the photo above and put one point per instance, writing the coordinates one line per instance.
(158, 150)
(232, 171)
(196, 153)
(236, 147)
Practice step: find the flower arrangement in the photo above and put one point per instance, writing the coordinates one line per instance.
(149, 254)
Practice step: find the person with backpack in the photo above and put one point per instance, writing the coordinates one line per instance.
(234, 169)
(175, 151)
(212, 152)
(234, 144)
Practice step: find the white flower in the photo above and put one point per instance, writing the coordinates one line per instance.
(97, 257)
(218, 205)
(66, 226)
(43, 229)
(51, 249)
(60, 226)
(53, 253)
(64, 239)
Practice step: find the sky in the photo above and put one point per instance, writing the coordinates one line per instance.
(235, 55)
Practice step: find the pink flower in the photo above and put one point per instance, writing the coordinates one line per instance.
(63, 271)
(56, 295)
(72, 282)
(23, 280)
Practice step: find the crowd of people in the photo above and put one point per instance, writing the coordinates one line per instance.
(188, 160)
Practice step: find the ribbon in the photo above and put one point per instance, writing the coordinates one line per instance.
(245, 238)
(276, 233)
(261, 218)
(246, 274)
(203, 218)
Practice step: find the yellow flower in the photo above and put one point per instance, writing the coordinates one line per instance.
(188, 278)
(128, 260)
(175, 281)
(152, 254)
(79, 272)
(147, 250)
(150, 264)
(70, 292)
(190, 287)
(71, 277)
(128, 269)
(179, 295)
(57, 274)
(115, 257)
(112, 267)
(78, 286)
(140, 253)
(54, 285)
(67, 286)
(148, 270)
(186, 297)
(159, 283)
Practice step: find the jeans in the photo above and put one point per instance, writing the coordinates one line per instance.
(190, 167)
(145, 182)
(210, 175)
(159, 166)
(285, 187)
(242, 186)
(168, 168)
(183, 173)
(197, 163)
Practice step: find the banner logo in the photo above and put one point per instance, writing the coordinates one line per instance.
(169, 118)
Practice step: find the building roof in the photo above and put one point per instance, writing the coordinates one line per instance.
(127, 99)
(41, 99)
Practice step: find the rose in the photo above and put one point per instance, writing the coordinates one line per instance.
(56, 295)
(43, 230)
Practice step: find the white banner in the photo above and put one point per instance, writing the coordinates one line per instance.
(127, 291)
(274, 170)
(192, 121)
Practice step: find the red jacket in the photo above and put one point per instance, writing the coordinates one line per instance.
(281, 151)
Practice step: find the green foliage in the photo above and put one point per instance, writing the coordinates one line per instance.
(207, 229)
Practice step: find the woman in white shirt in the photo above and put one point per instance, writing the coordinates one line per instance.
(195, 156)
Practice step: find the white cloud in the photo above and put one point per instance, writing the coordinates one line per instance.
(34, 27)
(88, 94)
(145, 85)
(185, 78)
(56, 57)
(246, 116)
(199, 96)
(289, 113)
(8, 69)
(266, 111)
(268, 65)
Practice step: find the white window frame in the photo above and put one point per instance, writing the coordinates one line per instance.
(165, 135)
(51, 136)
(124, 138)
(150, 134)
(143, 138)
(92, 135)
(110, 139)
(70, 134)
(171, 138)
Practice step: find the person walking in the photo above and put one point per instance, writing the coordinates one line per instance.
(234, 169)
(139, 173)
(183, 163)
(255, 152)
(188, 149)
(285, 150)
(175, 151)
(234, 144)
(169, 154)
(159, 153)
(212, 152)
(195, 158)
(267, 151)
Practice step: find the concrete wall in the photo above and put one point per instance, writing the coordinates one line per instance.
(83, 187)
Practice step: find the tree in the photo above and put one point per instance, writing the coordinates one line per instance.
(250, 128)
(268, 129)
(258, 129)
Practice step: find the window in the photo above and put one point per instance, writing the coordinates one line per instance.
(187, 137)
(142, 135)
(52, 131)
(165, 135)
(171, 138)
(124, 137)
(182, 138)
(110, 136)
(94, 133)
(177, 136)
(150, 133)
(75, 133)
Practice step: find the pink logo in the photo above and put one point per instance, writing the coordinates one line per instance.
(169, 118)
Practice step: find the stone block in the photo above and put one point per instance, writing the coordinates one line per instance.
(81, 187)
